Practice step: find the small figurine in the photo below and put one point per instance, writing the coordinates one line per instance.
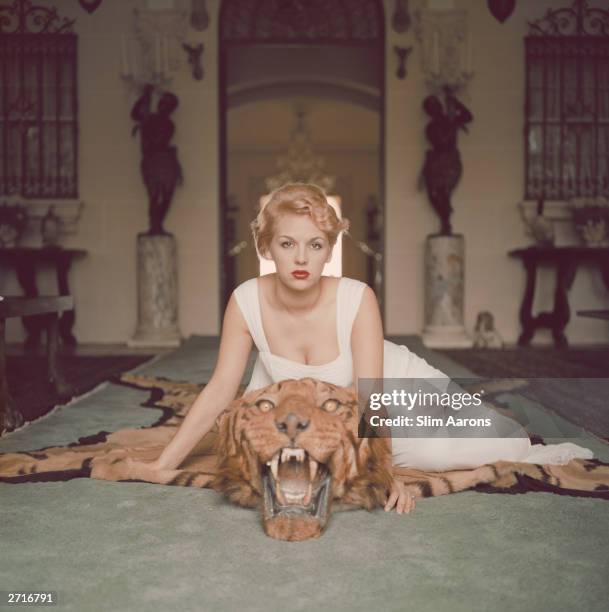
(50, 228)
(485, 334)
(13, 221)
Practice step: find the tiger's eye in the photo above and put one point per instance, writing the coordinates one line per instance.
(330, 405)
(265, 405)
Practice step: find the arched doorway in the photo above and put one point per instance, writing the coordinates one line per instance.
(274, 54)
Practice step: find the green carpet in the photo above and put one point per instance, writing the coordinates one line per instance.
(137, 546)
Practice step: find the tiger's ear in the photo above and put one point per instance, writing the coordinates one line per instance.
(228, 429)
(346, 396)
(228, 425)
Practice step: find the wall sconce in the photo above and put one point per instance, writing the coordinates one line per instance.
(400, 20)
(156, 55)
(194, 59)
(402, 54)
(199, 17)
(446, 49)
(90, 5)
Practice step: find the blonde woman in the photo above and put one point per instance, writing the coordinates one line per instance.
(308, 325)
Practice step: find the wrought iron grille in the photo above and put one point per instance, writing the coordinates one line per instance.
(567, 104)
(38, 103)
(293, 21)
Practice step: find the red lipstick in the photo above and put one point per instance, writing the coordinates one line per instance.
(300, 274)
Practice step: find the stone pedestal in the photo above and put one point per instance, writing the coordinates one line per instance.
(157, 292)
(444, 290)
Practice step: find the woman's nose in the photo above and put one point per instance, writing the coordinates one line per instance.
(301, 256)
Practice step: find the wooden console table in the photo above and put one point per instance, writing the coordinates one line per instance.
(49, 307)
(566, 260)
(26, 261)
(594, 314)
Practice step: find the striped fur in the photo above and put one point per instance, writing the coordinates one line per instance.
(108, 456)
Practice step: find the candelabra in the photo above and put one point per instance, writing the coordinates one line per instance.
(446, 49)
(155, 56)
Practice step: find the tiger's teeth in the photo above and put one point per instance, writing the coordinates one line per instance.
(312, 469)
(274, 463)
(307, 499)
(293, 498)
(275, 456)
(297, 453)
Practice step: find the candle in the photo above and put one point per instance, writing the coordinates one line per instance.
(162, 55)
(166, 69)
(124, 56)
(435, 54)
(134, 65)
(157, 54)
(469, 54)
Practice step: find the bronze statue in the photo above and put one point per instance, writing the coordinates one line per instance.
(442, 168)
(160, 167)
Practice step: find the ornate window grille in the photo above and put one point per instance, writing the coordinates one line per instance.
(38, 103)
(301, 21)
(567, 104)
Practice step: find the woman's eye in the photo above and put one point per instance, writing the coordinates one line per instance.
(317, 245)
(285, 244)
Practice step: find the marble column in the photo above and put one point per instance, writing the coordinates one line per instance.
(444, 292)
(157, 292)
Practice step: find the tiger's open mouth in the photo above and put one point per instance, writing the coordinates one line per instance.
(295, 484)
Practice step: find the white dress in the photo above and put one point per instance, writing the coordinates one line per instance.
(433, 454)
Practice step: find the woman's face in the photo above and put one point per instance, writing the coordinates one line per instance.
(300, 250)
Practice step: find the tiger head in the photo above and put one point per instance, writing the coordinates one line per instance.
(293, 449)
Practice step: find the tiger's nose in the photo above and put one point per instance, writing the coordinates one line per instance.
(291, 424)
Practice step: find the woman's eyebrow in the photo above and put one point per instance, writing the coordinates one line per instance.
(311, 240)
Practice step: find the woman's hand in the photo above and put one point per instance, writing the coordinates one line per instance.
(145, 470)
(403, 500)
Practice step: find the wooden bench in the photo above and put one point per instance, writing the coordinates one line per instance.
(48, 308)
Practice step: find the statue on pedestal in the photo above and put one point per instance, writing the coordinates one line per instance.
(442, 168)
(160, 167)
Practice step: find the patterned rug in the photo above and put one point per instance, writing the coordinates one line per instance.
(534, 362)
(108, 456)
(573, 383)
(28, 385)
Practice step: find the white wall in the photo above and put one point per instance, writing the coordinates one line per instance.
(485, 201)
(111, 187)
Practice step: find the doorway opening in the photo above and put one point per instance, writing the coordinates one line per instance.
(301, 97)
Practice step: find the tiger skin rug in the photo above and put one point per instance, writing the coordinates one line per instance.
(324, 467)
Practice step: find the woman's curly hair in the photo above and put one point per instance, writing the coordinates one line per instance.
(299, 198)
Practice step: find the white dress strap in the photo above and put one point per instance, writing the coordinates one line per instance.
(349, 297)
(247, 298)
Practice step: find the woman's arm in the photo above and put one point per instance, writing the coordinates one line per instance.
(367, 345)
(235, 347)
(367, 339)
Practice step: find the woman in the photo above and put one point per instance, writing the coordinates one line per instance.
(305, 324)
